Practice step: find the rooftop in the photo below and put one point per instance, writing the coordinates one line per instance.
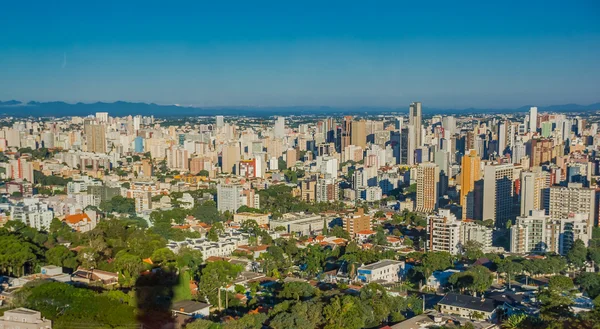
(189, 306)
(381, 264)
(469, 302)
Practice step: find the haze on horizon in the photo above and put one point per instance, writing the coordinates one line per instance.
(470, 54)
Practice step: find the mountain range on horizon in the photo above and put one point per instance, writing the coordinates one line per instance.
(122, 108)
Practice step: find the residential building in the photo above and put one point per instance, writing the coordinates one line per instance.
(428, 176)
(498, 193)
(260, 219)
(356, 222)
(466, 306)
(34, 213)
(444, 232)
(24, 318)
(383, 271)
(571, 199)
(469, 174)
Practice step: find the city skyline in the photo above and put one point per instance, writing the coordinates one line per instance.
(454, 56)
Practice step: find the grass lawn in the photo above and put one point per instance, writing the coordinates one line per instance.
(182, 289)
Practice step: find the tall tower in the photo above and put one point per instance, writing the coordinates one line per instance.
(428, 177)
(533, 119)
(498, 193)
(280, 127)
(415, 118)
(346, 131)
(359, 133)
(470, 172)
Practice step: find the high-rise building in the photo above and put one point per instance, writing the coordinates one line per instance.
(356, 222)
(470, 173)
(229, 197)
(498, 193)
(137, 122)
(533, 184)
(415, 118)
(95, 135)
(280, 127)
(572, 199)
(220, 121)
(230, 156)
(327, 189)
(359, 133)
(291, 156)
(533, 118)
(346, 132)
(428, 175)
(102, 117)
(534, 232)
(444, 232)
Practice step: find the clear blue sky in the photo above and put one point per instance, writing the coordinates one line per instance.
(450, 54)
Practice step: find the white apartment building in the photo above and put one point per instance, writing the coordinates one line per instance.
(224, 247)
(33, 212)
(383, 271)
(447, 233)
(444, 232)
(540, 233)
(300, 223)
(470, 231)
(571, 199)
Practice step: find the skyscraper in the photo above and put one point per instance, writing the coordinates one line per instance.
(533, 119)
(220, 121)
(359, 133)
(470, 172)
(532, 186)
(280, 127)
(346, 131)
(428, 176)
(415, 118)
(95, 135)
(498, 193)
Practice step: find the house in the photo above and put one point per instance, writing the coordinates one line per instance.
(364, 235)
(81, 222)
(24, 318)
(440, 278)
(191, 308)
(467, 306)
(255, 251)
(383, 271)
(95, 276)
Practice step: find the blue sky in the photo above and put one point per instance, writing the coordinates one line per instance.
(450, 54)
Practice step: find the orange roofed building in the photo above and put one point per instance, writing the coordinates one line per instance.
(81, 222)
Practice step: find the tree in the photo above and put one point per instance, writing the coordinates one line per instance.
(557, 299)
(163, 256)
(344, 313)
(214, 276)
(590, 283)
(514, 321)
(296, 290)
(472, 250)
(129, 267)
(476, 279)
(434, 261)
(509, 268)
(577, 254)
(62, 256)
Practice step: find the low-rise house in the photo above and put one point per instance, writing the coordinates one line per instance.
(255, 251)
(191, 308)
(24, 318)
(440, 278)
(82, 222)
(383, 271)
(95, 276)
(260, 219)
(364, 235)
(468, 306)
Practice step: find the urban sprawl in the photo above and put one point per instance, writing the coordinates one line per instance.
(365, 221)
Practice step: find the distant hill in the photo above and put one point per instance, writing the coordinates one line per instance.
(121, 108)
